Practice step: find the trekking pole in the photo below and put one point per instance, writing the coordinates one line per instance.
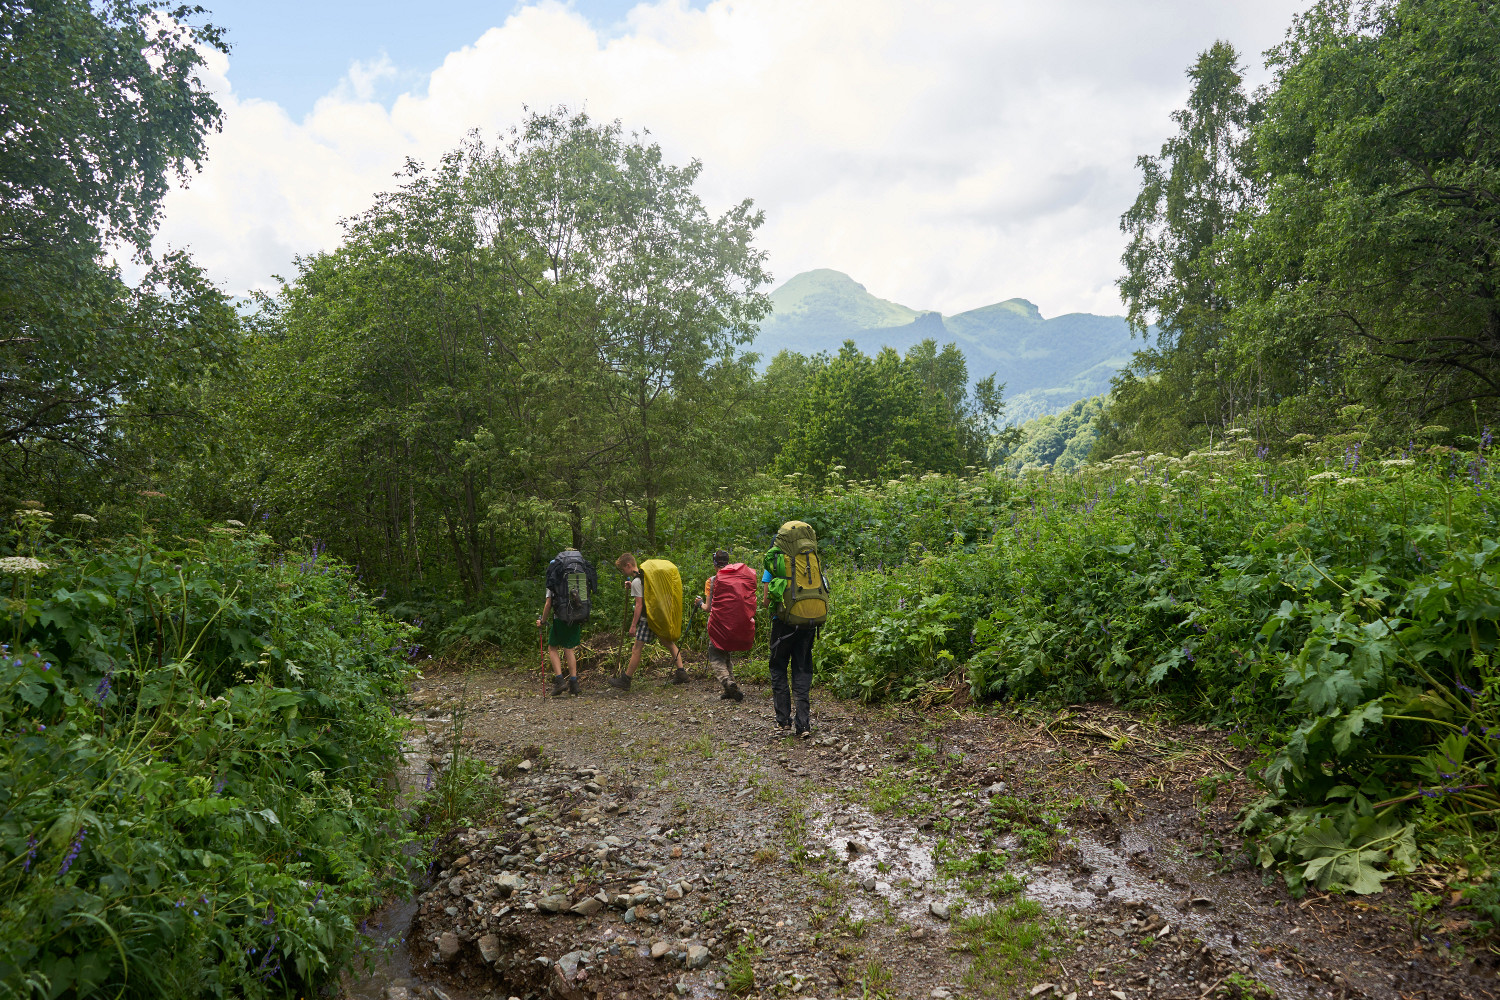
(620, 651)
(541, 645)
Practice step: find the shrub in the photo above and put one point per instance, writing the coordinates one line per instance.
(194, 793)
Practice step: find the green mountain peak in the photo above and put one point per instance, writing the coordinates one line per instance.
(832, 301)
(1022, 308)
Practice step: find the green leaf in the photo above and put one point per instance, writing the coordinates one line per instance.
(1351, 725)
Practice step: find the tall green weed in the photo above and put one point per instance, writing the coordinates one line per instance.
(194, 788)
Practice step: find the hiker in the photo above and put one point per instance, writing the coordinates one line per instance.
(729, 596)
(797, 593)
(571, 581)
(657, 588)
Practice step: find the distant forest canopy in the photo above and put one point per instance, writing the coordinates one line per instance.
(540, 335)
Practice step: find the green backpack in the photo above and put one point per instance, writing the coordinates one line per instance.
(805, 601)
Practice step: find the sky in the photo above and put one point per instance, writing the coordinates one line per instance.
(947, 154)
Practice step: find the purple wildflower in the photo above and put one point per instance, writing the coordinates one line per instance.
(73, 851)
(30, 853)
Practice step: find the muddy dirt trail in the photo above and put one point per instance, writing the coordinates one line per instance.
(666, 842)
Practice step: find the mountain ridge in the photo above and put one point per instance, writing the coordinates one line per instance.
(1046, 364)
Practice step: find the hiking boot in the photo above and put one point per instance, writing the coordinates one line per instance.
(679, 676)
(558, 682)
(573, 684)
(622, 682)
(732, 691)
(804, 734)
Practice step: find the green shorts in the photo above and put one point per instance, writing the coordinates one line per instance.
(564, 636)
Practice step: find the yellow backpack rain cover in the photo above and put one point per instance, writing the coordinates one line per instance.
(663, 598)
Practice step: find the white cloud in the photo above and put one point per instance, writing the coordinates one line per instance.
(946, 154)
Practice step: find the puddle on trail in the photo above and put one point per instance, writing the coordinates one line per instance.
(900, 861)
(1193, 897)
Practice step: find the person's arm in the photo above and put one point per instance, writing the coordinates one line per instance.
(640, 605)
(546, 610)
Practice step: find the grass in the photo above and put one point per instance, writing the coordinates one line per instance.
(704, 746)
(890, 792)
(1010, 945)
(739, 977)
(793, 824)
(874, 980)
(765, 788)
(1242, 987)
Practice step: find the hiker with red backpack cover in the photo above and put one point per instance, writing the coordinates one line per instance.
(730, 597)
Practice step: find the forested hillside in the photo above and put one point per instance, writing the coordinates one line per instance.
(235, 534)
(1061, 441)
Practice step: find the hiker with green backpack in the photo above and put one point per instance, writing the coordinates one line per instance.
(797, 594)
(571, 583)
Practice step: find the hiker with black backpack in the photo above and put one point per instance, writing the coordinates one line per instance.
(571, 583)
(797, 593)
(729, 596)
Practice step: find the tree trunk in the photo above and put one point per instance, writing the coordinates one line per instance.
(575, 520)
(459, 560)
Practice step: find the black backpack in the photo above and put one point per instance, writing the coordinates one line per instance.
(571, 581)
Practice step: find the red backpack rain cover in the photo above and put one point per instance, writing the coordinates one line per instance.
(731, 615)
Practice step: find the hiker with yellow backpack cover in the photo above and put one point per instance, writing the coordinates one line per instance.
(657, 588)
(797, 592)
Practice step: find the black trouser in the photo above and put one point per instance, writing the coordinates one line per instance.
(791, 645)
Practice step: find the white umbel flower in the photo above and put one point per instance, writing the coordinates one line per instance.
(20, 565)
